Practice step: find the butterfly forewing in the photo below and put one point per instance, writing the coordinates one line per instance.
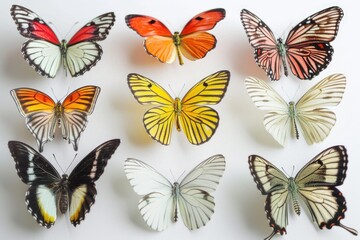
(147, 26)
(30, 25)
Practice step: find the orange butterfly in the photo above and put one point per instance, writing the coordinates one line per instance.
(42, 113)
(193, 42)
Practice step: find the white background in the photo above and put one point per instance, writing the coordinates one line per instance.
(239, 212)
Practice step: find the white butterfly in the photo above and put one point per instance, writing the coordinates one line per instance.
(309, 112)
(315, 184)
(162, 199)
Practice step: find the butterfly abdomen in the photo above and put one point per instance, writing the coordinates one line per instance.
(177, 110)
(293, 188)
(63, 196)
(176, 193)
(292, 113)
(177, 42)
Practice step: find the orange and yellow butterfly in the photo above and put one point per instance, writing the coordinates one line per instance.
(198, 122)
(42, 113)
(193, 41)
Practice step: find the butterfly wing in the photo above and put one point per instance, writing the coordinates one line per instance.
(158, 38)
(199, 123)
(39, 112)
(273, 183)
(196, 205)
(277, 121)
(82, 179)
(42, 51)
(195, 43)
(308, 44)
(158, 121)
(315, 120)
(34, 170)
(82, 50)
(76, 107)
(317, 181)
(157, 206)
(263, 41)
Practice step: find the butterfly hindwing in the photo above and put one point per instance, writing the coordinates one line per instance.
(162, 200)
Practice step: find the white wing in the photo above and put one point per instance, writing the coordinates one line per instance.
(82, 56)
(314, 119)
(196, 205)
(158, 205)
(277, 122)
(43, 56)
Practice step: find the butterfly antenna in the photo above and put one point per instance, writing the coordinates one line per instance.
(54, 27)
(71, 162)
(72, 27)
(58, 163)
(285, 172)
(180, 176)
(292, 172)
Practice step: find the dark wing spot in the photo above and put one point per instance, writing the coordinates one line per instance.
(152, 21)
(150, 85)
(205, 84)
(199, 18)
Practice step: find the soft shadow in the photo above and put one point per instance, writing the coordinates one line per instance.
(129, 199)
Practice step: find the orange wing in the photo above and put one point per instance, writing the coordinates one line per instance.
(40, 113)
(30, 100)
(76, 107)
(204, 21)
(147, 26)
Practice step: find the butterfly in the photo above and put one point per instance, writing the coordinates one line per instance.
(162, 200)
(315, 184)
(49, 192)
(307, 48)
(310, 112)
(42, 113)
(45, 52)
(198, 122)
(193, 41)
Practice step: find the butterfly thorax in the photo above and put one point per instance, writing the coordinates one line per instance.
(293, 190)
(281, 47)
(175, 193)
(62, 194)
(292, 114)
(177, 42)
(177, 110)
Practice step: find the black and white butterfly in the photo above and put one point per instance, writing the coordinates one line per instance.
(315, 184)
(49, 192)
(45, 52)
(162, 200)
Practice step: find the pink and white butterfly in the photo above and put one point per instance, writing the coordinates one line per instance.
(45, 52)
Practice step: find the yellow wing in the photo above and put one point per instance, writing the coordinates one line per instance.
(199, 123)
(158, 121)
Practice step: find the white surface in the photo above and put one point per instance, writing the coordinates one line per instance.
(239, 211)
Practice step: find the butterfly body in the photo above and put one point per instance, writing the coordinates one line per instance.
(193, 42)
(42, 113)
(46, 53)
(49, 192)
(306, 50)
(315, 185)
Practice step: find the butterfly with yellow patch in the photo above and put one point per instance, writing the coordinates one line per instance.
(198, 122)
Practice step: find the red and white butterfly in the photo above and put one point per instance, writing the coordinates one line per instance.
(307, 47)
(193, 41)
(45, 52)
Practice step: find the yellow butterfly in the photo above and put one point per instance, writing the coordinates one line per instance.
(198, 122)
